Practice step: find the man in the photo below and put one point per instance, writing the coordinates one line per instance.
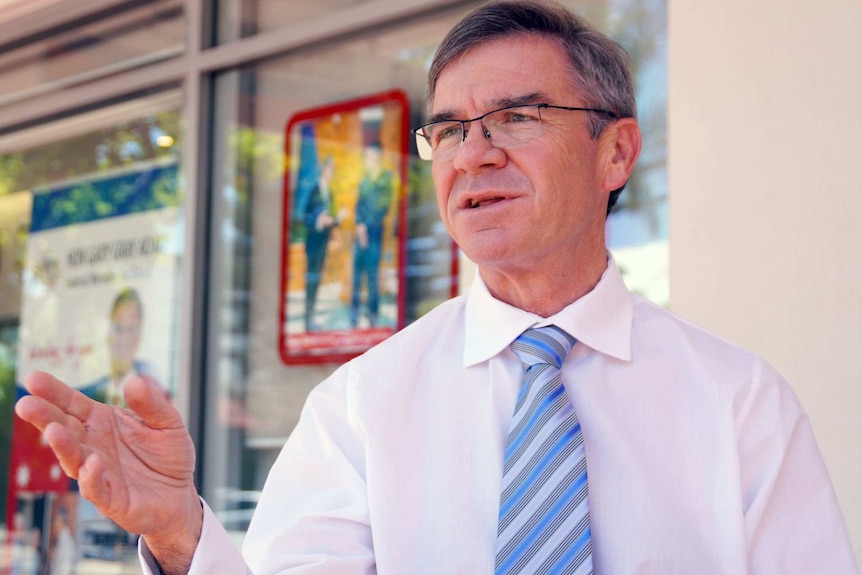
(124, 339)
(372, 205)
(319, 219)
(697, 456)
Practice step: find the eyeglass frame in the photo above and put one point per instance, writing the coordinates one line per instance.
(418, 132)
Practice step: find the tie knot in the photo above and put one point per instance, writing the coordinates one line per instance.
(548, 344)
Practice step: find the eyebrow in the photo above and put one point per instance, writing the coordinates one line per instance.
(525, 99)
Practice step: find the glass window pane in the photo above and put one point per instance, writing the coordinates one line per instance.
(257, 399)
(90, 253)
(141, 35)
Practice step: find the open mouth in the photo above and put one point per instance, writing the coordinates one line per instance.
(474, 203)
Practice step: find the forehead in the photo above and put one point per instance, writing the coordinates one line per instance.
(124, 308)
(501, 70)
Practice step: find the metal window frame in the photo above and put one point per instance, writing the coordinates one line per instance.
(48, 16)
(197, 61)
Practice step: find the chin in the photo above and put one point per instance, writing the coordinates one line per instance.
(487, 253)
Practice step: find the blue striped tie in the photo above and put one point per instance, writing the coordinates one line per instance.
(544, 525)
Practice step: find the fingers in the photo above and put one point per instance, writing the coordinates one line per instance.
(56, 392)
(41, 412)
(151, 404)
(67, 448)
(91, 485)
(53, 401)
(58, 412)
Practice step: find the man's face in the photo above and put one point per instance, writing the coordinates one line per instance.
(540, 204)
(125, 334)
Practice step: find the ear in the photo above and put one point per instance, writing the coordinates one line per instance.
(621, 144)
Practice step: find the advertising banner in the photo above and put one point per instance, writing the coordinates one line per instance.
(98, 306)
(343, 264)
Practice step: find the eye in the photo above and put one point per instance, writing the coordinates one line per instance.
(517, 115)
(446, 132)
(443, 133)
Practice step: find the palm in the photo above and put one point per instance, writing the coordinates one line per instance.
(136, 465)
(146, 471)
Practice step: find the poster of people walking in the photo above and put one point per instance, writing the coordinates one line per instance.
(344, 228)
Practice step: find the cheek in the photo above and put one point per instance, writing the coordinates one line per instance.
(443, 180)
(575, 187)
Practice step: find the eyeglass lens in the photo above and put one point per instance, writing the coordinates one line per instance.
(505, 128)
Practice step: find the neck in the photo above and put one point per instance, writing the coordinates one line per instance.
(544, 293)
(119, 370)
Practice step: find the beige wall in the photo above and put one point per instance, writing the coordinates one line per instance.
(765, 114)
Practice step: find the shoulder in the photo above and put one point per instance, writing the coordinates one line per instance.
(702, 362)
(95, 389)
(96, 384)
(443, 325)
(655, 328)
(405, 360)
(668, 344)
(391, 371)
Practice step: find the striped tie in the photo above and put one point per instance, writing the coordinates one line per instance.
(544, 523)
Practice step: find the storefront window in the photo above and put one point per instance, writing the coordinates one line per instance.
(90, 253)
(256, 398)
(288, 124)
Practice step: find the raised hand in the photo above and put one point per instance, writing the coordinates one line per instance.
(136, 465)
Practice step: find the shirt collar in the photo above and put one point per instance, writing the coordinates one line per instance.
(601, 319)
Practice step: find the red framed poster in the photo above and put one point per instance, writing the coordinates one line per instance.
(344, 228)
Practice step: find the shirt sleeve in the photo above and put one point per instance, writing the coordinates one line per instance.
(216, 553)
(793, 524)
(312, 517)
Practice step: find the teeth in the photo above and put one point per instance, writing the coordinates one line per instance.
(478, 204)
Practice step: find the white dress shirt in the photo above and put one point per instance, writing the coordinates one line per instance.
(700, 459)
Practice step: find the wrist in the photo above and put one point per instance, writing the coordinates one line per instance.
(174, 549)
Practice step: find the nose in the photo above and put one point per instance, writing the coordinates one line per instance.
(477, 150)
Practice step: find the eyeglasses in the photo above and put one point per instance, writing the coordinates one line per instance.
(507, 127)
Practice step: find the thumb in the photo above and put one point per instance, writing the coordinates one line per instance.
(91, 482)
(150, 403)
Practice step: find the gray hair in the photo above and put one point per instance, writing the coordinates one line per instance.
(599, 66)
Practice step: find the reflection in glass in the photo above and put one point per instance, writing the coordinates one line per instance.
(255, 400)
(83, 178)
